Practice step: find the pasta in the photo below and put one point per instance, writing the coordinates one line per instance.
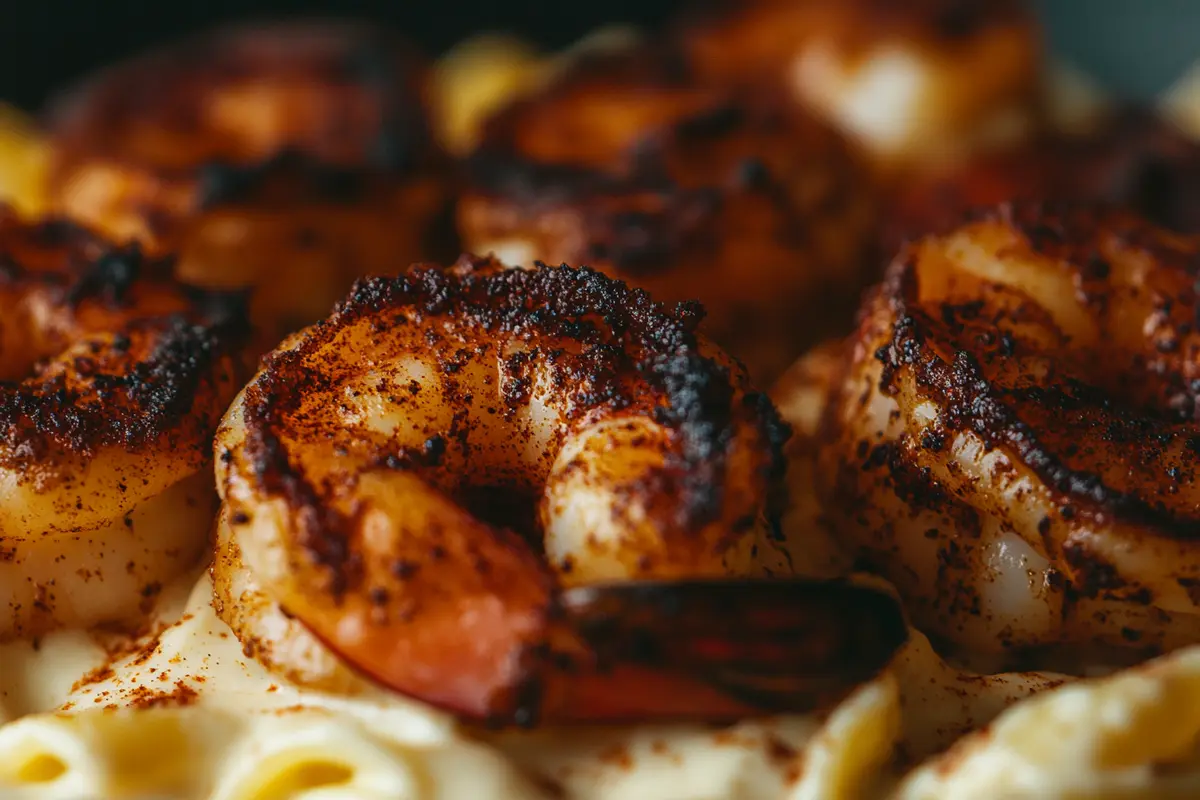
(1130, 735)
(215, 724)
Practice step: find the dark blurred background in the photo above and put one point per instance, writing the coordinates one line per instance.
(1135, 47)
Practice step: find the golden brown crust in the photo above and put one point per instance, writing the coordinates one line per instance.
(628, 164)
(290, 155)
(99, 349)
(1135, 159)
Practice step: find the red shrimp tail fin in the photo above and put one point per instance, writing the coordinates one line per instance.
(718, 650)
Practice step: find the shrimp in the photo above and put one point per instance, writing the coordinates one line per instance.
(913, 83)
(292, 156)
(112, 381)
(533, 496)
(1014, 440)
(627, 163)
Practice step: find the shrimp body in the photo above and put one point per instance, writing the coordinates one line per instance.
(112, 381)
(524, 496)
(628, 163)
(294, 157)
(911, 82)
(1014, 440)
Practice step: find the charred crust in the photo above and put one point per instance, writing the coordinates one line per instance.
(660, 197)
(629, 353)
(110, 276)
(223, 183)
(927, 344)
(1091, 574)
(141, 379)
(371, 80)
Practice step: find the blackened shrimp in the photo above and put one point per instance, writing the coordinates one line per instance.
(913, 82)
(292, 157)
(533, 496)
(1014, 442)
(112, 381)
(627, 163)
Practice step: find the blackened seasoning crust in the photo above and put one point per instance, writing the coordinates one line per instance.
(1029, 381)
(362, 85)
(118, 355)
(283, 116)
(289, 158)
(631, 352)
(630, 164)
(652, 198)
(433, 472)
(1149, 420)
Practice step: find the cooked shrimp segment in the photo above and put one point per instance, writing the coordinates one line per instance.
(291, 157)
(913, 82)
(112, 380)
(628, 163)
(525, 496)
(1014, 439)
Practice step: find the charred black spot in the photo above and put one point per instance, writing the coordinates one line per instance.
(404, 570)
(1092, 574)
(221, 183)
(711, 123)
(932, 439)
(137, 388)
(1131, 635)
(110, 276)
(752, 173)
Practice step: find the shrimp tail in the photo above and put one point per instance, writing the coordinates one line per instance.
(718, 650)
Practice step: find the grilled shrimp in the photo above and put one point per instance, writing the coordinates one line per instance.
(292, 157)
(912, 82)
(1133, 158)
(626, 163)
(112, 381)
(942, 701)
(1014, 441)
(529, 496)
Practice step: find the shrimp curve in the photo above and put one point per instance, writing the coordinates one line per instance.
(1014, 440)
(292, 155)
(628, 163)
(534, 496)
(112, 381)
